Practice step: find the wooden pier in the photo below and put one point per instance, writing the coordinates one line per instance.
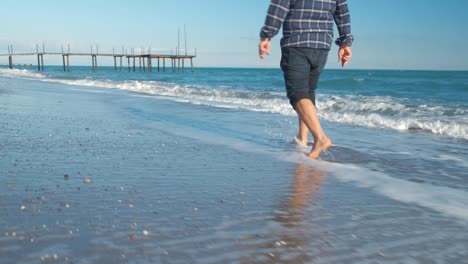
(145, 59)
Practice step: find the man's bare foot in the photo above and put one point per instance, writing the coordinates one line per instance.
(319, 146)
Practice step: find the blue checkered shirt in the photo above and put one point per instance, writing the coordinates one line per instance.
(308, 23)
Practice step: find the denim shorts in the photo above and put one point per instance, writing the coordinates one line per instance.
(302, 68)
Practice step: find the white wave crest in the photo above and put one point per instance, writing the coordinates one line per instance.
(24, 74)
(448, 128)
(388, 112)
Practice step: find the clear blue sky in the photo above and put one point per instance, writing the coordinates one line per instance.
(397, 34)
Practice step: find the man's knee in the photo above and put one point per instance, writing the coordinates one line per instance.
(296, 100)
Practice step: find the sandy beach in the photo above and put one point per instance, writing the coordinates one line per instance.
(93, 175)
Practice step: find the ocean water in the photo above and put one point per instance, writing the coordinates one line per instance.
(400, 135)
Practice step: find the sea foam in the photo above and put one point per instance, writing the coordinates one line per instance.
(439, 198)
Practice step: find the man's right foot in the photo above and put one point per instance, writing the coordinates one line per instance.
(319, 146)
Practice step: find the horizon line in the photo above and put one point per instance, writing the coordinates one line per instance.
(257, 67)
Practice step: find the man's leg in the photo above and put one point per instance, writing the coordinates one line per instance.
(308, 114)
(303, 134)
(317, 60)
(297, 68)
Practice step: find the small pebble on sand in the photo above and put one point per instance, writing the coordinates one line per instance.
(242, 193)
(133, 237)
(86, 180)
(66, 177)
(145, 232)
(23, 208)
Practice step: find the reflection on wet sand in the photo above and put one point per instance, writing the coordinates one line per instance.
(307, 181)
(289, 243)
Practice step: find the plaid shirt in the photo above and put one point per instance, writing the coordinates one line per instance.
(308, 23)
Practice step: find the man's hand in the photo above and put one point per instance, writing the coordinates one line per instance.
(344, 54)
(264, 48)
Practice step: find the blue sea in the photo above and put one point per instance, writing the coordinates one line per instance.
(402, 135)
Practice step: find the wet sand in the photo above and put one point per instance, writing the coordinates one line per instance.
(90, 175)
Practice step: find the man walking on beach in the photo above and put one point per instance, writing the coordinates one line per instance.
(307, 39)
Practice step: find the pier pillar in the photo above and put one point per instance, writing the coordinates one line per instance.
(128, 63)
(121, 57)
(115, 63)
(95, 66)
(150, 66)
(139, 63)
(144, 65)
(191, 63)
(164, 64)
(158, 64)
(64, 66)
(68, 62)
(183, 65)
(133, 64)
(42, 62)
(10, 62)
(10, 57)
(38, 62)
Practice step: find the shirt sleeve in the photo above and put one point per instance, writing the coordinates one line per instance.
(277, 12)
(343, 23)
